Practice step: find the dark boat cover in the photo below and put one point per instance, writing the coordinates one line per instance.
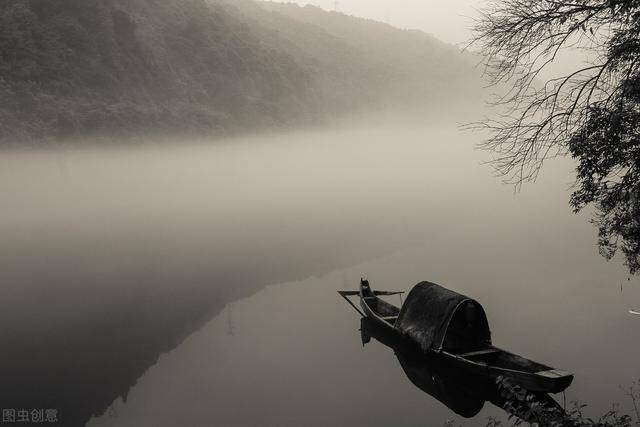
(437, 318)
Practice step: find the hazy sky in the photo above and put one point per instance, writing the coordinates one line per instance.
(446, 19)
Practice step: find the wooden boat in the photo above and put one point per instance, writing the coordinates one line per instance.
(455, 327)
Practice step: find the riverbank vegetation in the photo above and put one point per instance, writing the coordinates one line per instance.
(591, 112)
(536, 414)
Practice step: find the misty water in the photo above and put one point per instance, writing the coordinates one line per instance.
(195, 283)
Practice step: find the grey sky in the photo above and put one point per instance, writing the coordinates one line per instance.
(446, 19)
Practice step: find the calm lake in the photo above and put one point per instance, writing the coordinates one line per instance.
(195, 284)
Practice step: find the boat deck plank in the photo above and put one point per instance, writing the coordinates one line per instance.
(479, 352)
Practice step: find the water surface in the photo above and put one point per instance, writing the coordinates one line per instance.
(133, 279)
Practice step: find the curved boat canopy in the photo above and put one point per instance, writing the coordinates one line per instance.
(439, 319)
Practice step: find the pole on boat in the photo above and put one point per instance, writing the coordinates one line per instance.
(345, 294)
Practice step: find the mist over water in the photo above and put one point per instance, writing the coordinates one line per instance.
(112, 257)
(150, 279)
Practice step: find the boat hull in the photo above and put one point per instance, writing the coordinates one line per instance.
(376, 309)
(489, 363)
(547, 381)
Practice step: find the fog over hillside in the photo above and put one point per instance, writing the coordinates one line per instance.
(77, 69)
(385, 65)
(189, 188)
(448, 20)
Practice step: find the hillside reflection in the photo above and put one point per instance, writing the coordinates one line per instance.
(87, 341)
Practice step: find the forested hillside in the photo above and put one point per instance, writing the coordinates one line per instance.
(83, 68)
(384, 65)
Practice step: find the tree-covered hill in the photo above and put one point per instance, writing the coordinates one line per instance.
(391, 60)
(83, 68)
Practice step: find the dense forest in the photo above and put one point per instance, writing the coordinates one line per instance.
(89, 68)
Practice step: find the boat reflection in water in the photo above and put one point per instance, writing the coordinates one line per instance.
(462, 392)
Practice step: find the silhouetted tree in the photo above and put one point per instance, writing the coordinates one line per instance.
(591, 113)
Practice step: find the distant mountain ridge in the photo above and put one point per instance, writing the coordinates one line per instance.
(83, 68)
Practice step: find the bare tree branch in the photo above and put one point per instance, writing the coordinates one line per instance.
(592, 112)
